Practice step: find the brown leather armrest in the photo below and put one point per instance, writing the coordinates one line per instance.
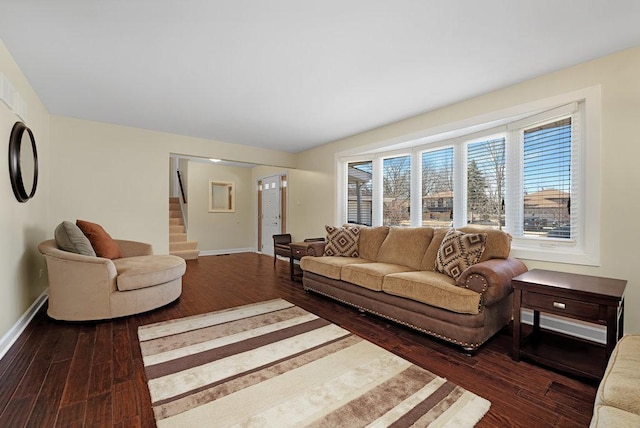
(492, 278)
(316, 248)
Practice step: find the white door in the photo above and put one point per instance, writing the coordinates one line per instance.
(271, 212)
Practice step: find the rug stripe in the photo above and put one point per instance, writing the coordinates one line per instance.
(199, 335)
(423, 408)
(304, 408)
(466, 411)
(227, 340)
(195, 377)
(188, 361)
(392, 416)
(236, 408)
(215, 391)
(383, 399)
(167, 328)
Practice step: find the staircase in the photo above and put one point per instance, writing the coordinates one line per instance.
(178, 244)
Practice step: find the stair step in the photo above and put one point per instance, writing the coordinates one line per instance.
(177, 237)
(183, 246)
(176, 229)
(186, 254)
(178, 244)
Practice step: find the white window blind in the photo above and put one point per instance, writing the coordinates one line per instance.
(486, 183)
(359, 193)
(437, 187)
(396, 193)
(547, 179)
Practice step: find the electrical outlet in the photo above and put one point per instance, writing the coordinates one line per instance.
(40, 273)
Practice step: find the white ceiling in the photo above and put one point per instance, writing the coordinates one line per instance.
(293, 74)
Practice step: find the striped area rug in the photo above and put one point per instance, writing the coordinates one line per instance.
(275, 364)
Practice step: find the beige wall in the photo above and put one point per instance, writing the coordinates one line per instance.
(22, 225)
(620, 151)
(220, 232)
(116, 176)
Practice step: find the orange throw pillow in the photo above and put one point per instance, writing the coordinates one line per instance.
(102, 243)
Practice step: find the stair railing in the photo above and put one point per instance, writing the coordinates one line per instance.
(183, 202)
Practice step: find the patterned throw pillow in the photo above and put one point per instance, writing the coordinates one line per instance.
(458, 251)
(342, 241)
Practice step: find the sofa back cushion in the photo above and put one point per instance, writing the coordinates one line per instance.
(498, 245)
(371, 239)
(405, 246)
(429, 259)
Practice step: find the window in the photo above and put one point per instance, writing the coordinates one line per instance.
(437, 187)
(359, 192)
(396, 183)
(547, 180)
(485, 183)
(524, 173)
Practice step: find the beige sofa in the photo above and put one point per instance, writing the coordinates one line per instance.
(617, 402)
(394, 277)
(85, 287)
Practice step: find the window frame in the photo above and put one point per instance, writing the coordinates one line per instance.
(585, 172)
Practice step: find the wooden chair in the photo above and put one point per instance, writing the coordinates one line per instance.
(281, 246)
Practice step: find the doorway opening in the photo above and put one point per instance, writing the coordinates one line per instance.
(272, 210)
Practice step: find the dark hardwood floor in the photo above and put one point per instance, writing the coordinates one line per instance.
(91, 374)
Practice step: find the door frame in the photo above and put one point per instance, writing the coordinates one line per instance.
(284, 205)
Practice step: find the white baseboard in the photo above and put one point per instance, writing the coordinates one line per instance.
(12, 335)
(579, 329)
(228, 251)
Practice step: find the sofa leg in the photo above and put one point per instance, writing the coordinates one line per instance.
(469, 351)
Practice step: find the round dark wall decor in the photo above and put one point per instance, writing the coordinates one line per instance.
(23, 162)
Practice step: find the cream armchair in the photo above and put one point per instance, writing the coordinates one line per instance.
(92, 288)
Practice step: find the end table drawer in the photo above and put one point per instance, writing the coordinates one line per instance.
(298, 251)
(561, 305)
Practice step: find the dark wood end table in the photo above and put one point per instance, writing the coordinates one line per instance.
(586, 298)
(298, 251)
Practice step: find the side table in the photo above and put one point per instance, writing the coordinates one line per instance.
(586, 298)
(298, 250)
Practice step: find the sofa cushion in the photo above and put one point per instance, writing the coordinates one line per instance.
(101, 241)
(429, 259)
(370, 240)
(620, 386)
(498, 245)
(370, 275)
(147, 271)
(458, 251)
(342, 241)
(405, 246)
(70, 238)
(329, 266)
(434, 289)
(610, 417)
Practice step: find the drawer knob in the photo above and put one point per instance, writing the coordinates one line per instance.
(559, 305)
